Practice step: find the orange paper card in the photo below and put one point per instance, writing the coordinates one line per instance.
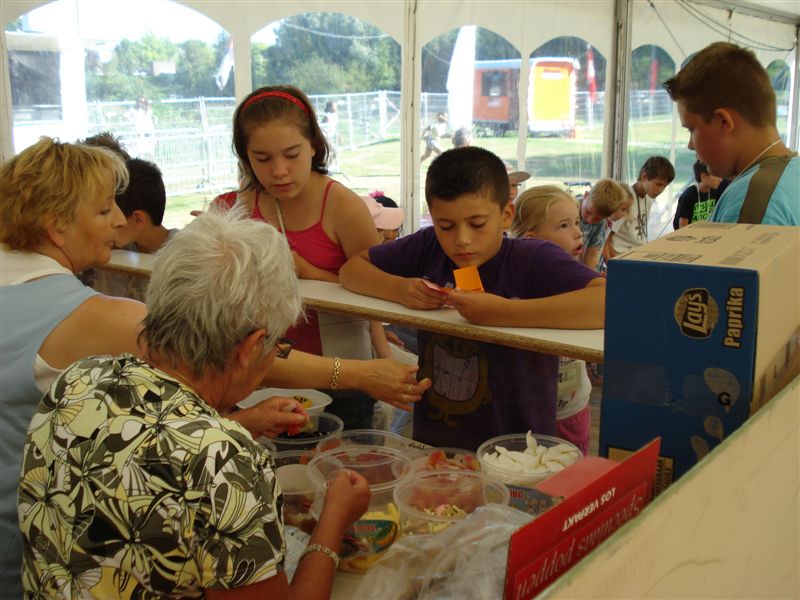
(468, 279)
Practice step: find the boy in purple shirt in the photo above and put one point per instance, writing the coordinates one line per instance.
(480, 390)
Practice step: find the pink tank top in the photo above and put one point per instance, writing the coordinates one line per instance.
(316, 247)
(313, 243)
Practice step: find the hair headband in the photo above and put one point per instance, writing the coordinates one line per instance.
(276, 94)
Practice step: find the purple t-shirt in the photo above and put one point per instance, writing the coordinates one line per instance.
(482, 390)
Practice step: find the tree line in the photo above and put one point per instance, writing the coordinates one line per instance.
(321, 53)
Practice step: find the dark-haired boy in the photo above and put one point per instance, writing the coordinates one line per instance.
(143, 203)
(106, 139)
(697, 202)
(654, 177)
(480, 390)
(726, 101)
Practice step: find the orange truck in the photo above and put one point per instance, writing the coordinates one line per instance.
(551, 96)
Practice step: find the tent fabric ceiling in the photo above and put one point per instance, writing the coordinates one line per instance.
(681, 27)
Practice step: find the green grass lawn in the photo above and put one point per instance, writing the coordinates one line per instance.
(548, 159)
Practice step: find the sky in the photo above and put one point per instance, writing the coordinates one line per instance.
(115, 19)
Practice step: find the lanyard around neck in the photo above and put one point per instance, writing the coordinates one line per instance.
(642, 223)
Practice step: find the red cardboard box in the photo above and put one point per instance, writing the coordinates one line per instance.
(601, 496)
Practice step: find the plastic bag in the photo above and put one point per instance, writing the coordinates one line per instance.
(465, 561)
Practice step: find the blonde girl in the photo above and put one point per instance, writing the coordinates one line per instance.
(549, 213)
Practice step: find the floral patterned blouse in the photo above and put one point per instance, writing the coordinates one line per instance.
(134, 487)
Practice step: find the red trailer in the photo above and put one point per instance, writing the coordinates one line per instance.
(551, 101)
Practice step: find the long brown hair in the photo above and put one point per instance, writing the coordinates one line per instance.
(276, 103)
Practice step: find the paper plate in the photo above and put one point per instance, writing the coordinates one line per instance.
(319, 400)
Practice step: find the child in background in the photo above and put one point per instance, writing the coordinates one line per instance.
(515, 179)
(692, 206)
(143, 203)
(462, 137)
(283, 157)
(106, 139)
(387, 223)
(433, 134)
(549, 213)
(480, 390)
(388, 218)
(654, 176)
(601, 201)
(625, 206)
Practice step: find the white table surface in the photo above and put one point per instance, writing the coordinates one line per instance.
(331, 297)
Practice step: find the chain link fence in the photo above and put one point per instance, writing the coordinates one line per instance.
(190, 139)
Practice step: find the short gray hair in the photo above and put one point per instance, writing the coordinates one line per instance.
(214, 283)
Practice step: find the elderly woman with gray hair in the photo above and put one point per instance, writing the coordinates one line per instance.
(135, 485)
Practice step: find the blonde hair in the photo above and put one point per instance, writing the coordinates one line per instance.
(44, 185)
(533, 205)
(630, 196)
(606, 197)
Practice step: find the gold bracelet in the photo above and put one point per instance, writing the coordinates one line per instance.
(325, 550)
(337, 366)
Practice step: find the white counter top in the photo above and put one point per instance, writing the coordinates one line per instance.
(331, 297)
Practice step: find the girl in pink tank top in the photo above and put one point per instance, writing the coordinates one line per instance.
(283, 156)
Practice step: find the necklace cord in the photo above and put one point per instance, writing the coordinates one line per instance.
(760, 154)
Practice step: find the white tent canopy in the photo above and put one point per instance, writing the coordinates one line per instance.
(613, 28)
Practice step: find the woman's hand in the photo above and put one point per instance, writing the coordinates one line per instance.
(391, 381)
(272, 417)
(347, 497)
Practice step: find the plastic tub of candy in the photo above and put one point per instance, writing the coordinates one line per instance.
(367, 437)
(319, 428)
(298, 491)
(313, 401)
(430, 501)
(524, 459)
(440, 459)
(376, 530)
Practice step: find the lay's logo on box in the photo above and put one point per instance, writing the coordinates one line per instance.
(696, 313)
(702, 328)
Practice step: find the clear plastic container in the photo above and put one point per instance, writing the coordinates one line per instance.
(367, 437)
(431, 501)
(325, 426)
(517, 442)
(439, 459)
(268, 444)
(313, 401)
(298, 491)
(377, 529)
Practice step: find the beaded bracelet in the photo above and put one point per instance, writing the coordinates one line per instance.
(337, 366)
(325, 550)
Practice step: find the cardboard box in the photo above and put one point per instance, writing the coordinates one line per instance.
(600, 497)
(702, 328)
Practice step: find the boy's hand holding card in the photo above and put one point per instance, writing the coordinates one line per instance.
(434, 287)
(422, 294)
